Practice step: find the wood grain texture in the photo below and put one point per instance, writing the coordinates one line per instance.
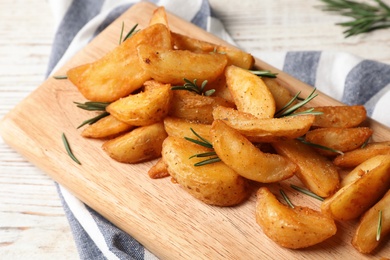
(169, 225)
(32, 221)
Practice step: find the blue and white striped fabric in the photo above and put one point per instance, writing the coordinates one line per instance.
(345, 77)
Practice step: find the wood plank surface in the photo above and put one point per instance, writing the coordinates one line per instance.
(32, 221)
(170, 225)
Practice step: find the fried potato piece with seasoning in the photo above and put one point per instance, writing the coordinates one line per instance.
(172, 66)
(142, 144)
(264, 129)
(250, 93)
(158, 170)
(106, 127)
(235, 56)
(144, 108)
(119, 72)
(159, 16)
(340, 116)
(214, 184)
(315, 171)
(297, 227)
(365, 238)
(355, 198)
(193, 107)
(182, 128)
(242, 156)
(358, 156)
(340, 139)
(281, 94)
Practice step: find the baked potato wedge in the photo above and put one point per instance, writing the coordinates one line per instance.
(340, 116)
(106, 127)
(250, 93)
(242, 156)
(365, 238)
(355, 198)
(158, 170)
(182, 128)
(144, 108)
(297, 227)
(214, 184)
(315, 171)
(142, 144)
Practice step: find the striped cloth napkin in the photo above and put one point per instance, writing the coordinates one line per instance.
(345, 77)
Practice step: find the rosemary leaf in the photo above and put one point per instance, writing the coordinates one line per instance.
(205, 143)
(93, 106)
(120, 37)
(379, 228)
(286, 198)
(131, 32)
(93, 119)
(307, 192)
(208, 161)
(286, 110)
(60, 77)
(193, 87)
(68, 149)
(264, 73)
(208, 154)
(302, 140)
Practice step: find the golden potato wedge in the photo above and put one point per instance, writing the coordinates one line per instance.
(106, 127)
(143, 108)
(158, 170)
(355, 198)
(182, 128)
(249, 92)
(297, 227)
(358, 156)
(340, 116)
(341, 139)
(315, 171)
(281, 94)
(235, 56)
(142, 144)
(159, 16)
(365, 236)
(264, 129)
(119, 72)
(172, 66)
(221, 89)
(246, 159)
(193, 107)
(214, 184)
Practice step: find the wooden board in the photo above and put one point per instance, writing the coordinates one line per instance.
(159, 214)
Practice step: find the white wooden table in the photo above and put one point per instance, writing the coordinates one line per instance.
(32, 222)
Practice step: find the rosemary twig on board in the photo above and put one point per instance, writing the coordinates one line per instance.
(93, 106)
(379, 227)
(68, 149)
(286, 198)
(365, 17)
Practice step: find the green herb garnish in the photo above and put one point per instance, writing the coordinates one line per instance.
(205, 143)
(193, 87)
(302, 140)
(60, 77)
(129, 34)
(379, 228)
(307, 192)
(93, 106)
(286, 110)
(365, 17)
(68, 150)
(264, 73)
(286, 198)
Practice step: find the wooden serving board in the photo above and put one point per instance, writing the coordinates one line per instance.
(159, 214)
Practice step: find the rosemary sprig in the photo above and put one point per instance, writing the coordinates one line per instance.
(302, 140)
(60, 77)
(93, 106)
(264, 73)
(205, 143)
(193, 87)
(68, 149)
(286, 198)
(379, 228)
(129, 34)
(286, 110)
(307, 192)
(365, 17)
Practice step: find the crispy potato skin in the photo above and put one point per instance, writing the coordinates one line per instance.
(281, 94)
(315, 171)
(297, 227)
(246, 159)
(250, 93)
(340, 116)
(106, 127)
(182, 128)
(355, 198)
(214, 184)
(158, 170)
(142, 144)
(119, 72)
(364, 239)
